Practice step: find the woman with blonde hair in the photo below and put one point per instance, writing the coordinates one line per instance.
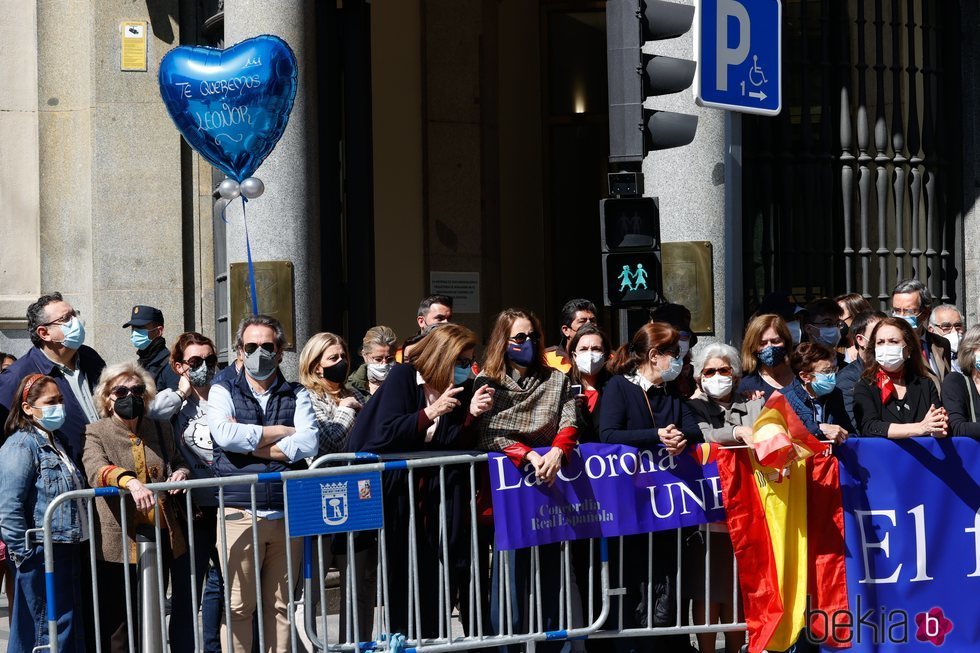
(126, 449)
(424, 405)
(323, 367)
(378, 351)
(765, 357)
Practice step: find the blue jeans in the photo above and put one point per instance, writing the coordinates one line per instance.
(29, 625)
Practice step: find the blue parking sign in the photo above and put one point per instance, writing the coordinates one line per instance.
(334, 504)
(738, 48)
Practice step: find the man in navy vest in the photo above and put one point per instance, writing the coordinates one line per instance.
(57, 334)
(259, 423)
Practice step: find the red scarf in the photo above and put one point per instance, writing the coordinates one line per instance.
(885, 385)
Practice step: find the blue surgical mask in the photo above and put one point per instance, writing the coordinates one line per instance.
(771, 356)
(73, 334)
(674, 371)
(52, 417)
(829, 336)
(460, 375)
(521, 354)
(141, 339)
(823, 384)
(976, 362)
(913, 320)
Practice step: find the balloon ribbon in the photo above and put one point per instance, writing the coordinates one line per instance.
(251, 267)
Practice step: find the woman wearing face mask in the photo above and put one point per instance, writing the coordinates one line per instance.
(640, 408)
(725, 417)
(35, 468)
(533, 407)
(323, 367)
(378, 351)
(765, 350)
(589, 349)
(897, 396)
(813, 394)
(961, 392)
(195, 361)
(126, 450)
(425, 405)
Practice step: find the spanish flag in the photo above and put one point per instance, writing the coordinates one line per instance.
(783, 506)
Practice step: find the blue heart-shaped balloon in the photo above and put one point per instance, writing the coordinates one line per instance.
(231, 105)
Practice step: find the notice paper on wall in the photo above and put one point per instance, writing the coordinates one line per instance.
(463, 287)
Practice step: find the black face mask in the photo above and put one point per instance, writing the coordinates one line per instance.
(129, 407)
(336, 372)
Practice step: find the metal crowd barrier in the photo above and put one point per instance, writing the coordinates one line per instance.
(584, 605)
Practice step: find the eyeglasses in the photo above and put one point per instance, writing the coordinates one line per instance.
(709, 372)
(522, 337)
(250, 347)
(946, 327)
(464, 362)
(906, 312)
(64, 319)
(123, 391)
(673, 353)
(195, 361)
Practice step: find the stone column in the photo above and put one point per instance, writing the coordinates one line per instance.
(284, 224)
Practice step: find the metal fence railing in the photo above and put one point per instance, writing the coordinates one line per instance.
(422, 575)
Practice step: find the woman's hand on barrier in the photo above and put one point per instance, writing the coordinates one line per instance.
(445, 403)
(482, 401)
(176, 477)
(673, 438)
(549, 466)
(934, 423)
(834, 432)
(143, 497)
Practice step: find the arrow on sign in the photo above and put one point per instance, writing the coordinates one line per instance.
(759, 95)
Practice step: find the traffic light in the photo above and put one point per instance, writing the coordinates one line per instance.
(630, 230)
(635, 75)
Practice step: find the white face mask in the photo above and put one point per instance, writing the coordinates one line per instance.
(589, 362)
(378, 371)
(890, 357)
(954, 340)
(717, 386)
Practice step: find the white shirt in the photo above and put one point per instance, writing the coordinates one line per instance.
(244, 438)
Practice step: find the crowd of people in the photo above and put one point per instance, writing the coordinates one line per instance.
(170, 414)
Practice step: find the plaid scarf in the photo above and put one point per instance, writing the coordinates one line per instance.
(531, 410)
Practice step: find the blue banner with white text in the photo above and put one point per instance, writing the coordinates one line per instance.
(604, 490)
(912, 528)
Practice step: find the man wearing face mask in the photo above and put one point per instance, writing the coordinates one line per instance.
(825, 325)
(146, 323)
(260, 423)
(58, 336)
(912, 302)
(946, 321)
(575, 314)
(862, 325)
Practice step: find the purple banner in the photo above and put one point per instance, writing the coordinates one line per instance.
(605, 490)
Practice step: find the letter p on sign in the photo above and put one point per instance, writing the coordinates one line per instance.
(728, 55)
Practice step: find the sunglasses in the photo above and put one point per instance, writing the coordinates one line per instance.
(123, 391)
(709, 372)
(250, 347)
(464, 362)
(522, 337)
(195, 361)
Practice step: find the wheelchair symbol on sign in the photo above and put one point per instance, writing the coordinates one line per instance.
(757, 77)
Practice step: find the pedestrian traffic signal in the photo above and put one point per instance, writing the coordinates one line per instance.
(634, 75)
(630, 231)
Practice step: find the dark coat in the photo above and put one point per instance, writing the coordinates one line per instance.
(155, 359)
(873, 418)
(35, 362)
(847, 378)
(959, 391)
(753, 382)
(625, 417)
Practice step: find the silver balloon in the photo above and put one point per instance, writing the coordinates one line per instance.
(229, 189)
(252, 188)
